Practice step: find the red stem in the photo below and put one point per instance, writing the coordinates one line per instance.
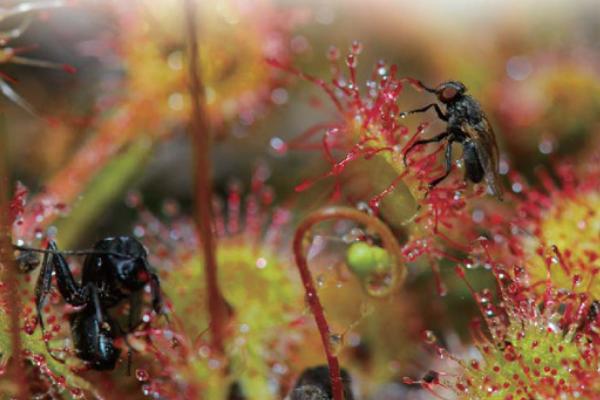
(9, 278)
(201, 135)
(389, 242)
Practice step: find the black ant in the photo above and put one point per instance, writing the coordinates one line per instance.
(116, 269)
(469, 126)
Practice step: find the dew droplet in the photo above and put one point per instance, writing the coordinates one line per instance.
(429, 337)
(356, 47)
(320, 280)
(354, 235)
(278, 145)
(261, 263)
(333, 54)
(366, 308)
(351, 61)
(336, 343)
(142, 375)
(546, 146)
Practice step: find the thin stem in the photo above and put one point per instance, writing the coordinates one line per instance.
(201, 136)
(9, 278)
(397, 276)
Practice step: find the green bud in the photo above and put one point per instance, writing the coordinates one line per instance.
(364, 259)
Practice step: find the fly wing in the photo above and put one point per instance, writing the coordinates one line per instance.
(482, 135)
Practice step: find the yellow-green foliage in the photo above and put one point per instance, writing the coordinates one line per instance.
(257, 286)
(35, 345)
(534, 361)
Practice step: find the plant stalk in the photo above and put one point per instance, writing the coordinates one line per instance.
(10, 282)
(389, 242)
(201, 137)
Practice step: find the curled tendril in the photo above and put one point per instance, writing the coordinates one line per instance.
(397, 273)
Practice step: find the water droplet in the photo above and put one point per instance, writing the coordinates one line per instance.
(333, 54)
(546, 146)
(503, 167)
(176, 101)
(478, 216)
(142, 375)
(278, 145)
(261, 263)
(354, 235)
(408, 381)
(429, 337)
(133, 199)
(403, 115)
(299, 44)
(336, 343)
(320, 280)
(356, 47)
(139, 231)
(279, 96)
(175, 60)
(518, 68)
(351, 61)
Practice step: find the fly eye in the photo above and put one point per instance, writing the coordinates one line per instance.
(449, 93)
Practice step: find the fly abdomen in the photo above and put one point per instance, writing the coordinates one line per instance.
(473, 167)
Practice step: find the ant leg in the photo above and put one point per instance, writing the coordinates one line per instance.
(67, 285)
(437, 138)
(129, 358)
(434, 183)
(92, 293)
(42, 288)
(157, 303)
(437, 108)
(123, 333)
(135, 310)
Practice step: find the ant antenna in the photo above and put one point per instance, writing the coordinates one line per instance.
(70, 252)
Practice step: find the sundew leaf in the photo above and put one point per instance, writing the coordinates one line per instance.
(255, 284)
(34, 344)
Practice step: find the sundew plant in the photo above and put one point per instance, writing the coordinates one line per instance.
(261, 200)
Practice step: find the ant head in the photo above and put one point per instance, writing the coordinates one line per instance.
(450, 91)
(129, 260)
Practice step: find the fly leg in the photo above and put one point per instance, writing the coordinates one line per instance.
(448, 159)
(436, 107)
(437, 138)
